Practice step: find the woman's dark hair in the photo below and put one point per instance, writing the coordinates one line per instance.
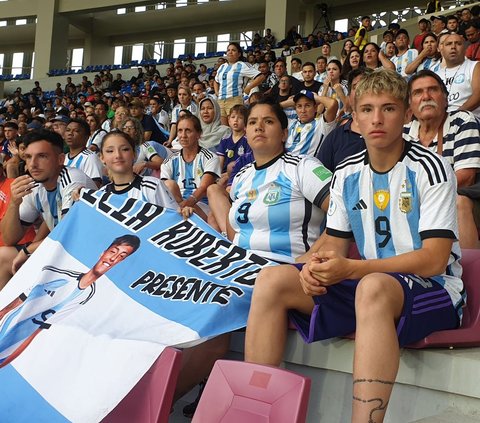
(336, 62)
(432, 35)
(376, 47)
(344, 53)
(276, 108)
(347, 67)
(239, 48)
(195, 120)
(119, 133)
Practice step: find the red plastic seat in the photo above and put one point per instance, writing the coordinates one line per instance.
(468, 335)
(150, 401)
(240, 392)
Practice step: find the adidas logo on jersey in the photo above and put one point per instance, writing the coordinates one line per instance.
(360, 206)
(51, 293)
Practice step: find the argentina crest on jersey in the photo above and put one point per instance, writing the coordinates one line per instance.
(405, 200)
(273, 194)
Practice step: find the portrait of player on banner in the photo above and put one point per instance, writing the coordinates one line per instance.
(62, 293)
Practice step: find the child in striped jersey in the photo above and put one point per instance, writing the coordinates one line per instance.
(306, 133)
(397, 201)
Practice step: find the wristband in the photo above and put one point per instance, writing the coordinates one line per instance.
(25, 250)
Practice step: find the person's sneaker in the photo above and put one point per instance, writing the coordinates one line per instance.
(189, 409)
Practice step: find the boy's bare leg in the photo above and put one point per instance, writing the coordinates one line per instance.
(378, 305)
(277, 290)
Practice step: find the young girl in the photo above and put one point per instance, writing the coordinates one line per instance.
(118, 154)
(334, 87)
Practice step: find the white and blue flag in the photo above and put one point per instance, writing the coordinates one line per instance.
(81, 353)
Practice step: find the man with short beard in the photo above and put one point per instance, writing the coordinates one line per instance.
(456, 136)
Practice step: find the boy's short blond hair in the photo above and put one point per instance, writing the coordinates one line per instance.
(383, 81)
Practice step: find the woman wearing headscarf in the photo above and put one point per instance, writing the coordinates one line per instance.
(212, 129)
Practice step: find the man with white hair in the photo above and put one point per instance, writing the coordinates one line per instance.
(454, 135)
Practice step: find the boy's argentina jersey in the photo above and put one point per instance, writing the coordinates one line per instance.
(391, 213)
(88, 162)
(145, 188)
(276, 207)
(306, 138)
(45, 304)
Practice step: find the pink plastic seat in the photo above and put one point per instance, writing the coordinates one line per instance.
(240, 392)
(468, 335)
(150, 401)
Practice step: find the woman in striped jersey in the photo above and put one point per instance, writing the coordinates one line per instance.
(279, 200)
(231, 80)
(429, 58)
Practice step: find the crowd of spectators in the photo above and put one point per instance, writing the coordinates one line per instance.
(212, 141)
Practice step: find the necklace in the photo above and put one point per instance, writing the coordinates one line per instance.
(125, 184)
(449, 86)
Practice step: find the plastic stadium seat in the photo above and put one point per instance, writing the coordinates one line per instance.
(468, 335)
(150, 401)
(240, 392)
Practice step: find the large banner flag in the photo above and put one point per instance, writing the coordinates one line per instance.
(115, 282)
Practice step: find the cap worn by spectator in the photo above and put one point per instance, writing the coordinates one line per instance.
(401, 31)
(304, 93)
(136, 102)
(440, 18)
(34, 124)
(60, 118)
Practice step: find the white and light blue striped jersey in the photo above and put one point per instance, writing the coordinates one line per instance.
(192, 108)
(145, 188)
(188, 175)
(51, 205)
(46, 303)
(333, 94)
(276, 207)
(88, 162)
(145, 152)
(233, 78)
(401, 62)
(461, 139)
(430, 63)
(320, 77)
(306, 138)
(392, 213)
